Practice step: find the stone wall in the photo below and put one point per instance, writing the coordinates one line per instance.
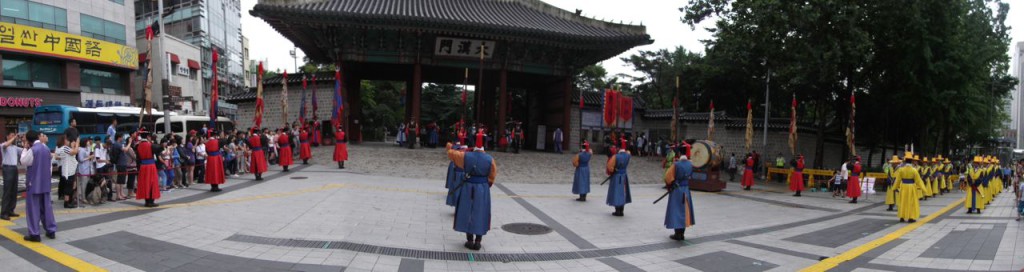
(732, 140)
(272, 106)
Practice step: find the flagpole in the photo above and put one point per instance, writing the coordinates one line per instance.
(479, 85)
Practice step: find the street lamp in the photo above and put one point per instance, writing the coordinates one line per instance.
(295, 59)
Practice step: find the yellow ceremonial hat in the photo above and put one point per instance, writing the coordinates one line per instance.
(977, 159)
(947, 160)
(895, 159)
(908, 155)
(939, 157)
(917, 158)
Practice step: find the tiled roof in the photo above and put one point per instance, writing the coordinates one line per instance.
(596, 99)
(517, 17)
(724, 120)
(294, 81)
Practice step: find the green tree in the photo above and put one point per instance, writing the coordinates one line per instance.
(924, 72)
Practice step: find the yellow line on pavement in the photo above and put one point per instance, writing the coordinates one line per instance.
(202, 203)
(853, 253)
(46, 251)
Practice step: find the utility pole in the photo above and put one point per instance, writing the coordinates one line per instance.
(767, 105)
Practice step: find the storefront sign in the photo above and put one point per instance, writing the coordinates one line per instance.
(33, 40)
(89, 103)
(457, 47)
(20, 102)
(182, 70)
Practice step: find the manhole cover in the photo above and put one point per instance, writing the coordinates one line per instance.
(299, 177)
(526, 228)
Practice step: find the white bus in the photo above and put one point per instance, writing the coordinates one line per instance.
(181, 124)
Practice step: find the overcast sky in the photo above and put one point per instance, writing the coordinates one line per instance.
(660, 16)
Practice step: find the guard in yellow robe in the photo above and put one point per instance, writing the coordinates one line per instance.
(910, 183)
(975, 199)
(890, 192)
(918, 165)
(933, 182)
(940, 175)
(950, 177)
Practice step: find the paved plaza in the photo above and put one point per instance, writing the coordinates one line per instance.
(319, 218)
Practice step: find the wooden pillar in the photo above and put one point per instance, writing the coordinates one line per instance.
(344, 94)
(417, 88)
(354, 108)
(567, 115)
(503, 103)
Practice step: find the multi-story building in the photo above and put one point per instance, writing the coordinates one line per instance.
(180, 64)
(1016, 106)
(246, 68)
(209, 25)
(64, 52)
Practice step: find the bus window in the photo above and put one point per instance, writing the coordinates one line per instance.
(88, 122)
(195, 125)
(49, 118)
(175, 127)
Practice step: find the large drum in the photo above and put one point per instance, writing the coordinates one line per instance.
(705, 154)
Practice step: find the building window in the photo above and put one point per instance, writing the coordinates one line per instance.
(34, 14)
(98, 80)
(102, 29)
(31, 72)
(118, 1)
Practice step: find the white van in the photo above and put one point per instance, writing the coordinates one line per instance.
(181, 124)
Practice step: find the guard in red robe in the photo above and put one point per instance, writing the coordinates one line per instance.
(853, 184)
(214, 163)
(148, 187)
(257, 161)
(304, 152)
(285, 149)
(748, 173)
(796, 180)
(340, 148)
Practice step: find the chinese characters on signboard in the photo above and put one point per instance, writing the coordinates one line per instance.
(33, 40)
(456, 47)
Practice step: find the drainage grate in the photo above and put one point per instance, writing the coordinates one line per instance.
(299, 177)
(526, 228)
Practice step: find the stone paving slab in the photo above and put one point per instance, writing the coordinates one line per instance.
(325, 216)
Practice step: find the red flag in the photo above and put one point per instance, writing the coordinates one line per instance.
(850, 131)
(581, 98)
(748, 105)
(610, 102)
(792, 127)
(149, 32)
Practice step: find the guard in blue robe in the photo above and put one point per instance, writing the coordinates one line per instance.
(473, 210)
(618, 185)
(455, 177)
(581, 179)
(679, 212)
